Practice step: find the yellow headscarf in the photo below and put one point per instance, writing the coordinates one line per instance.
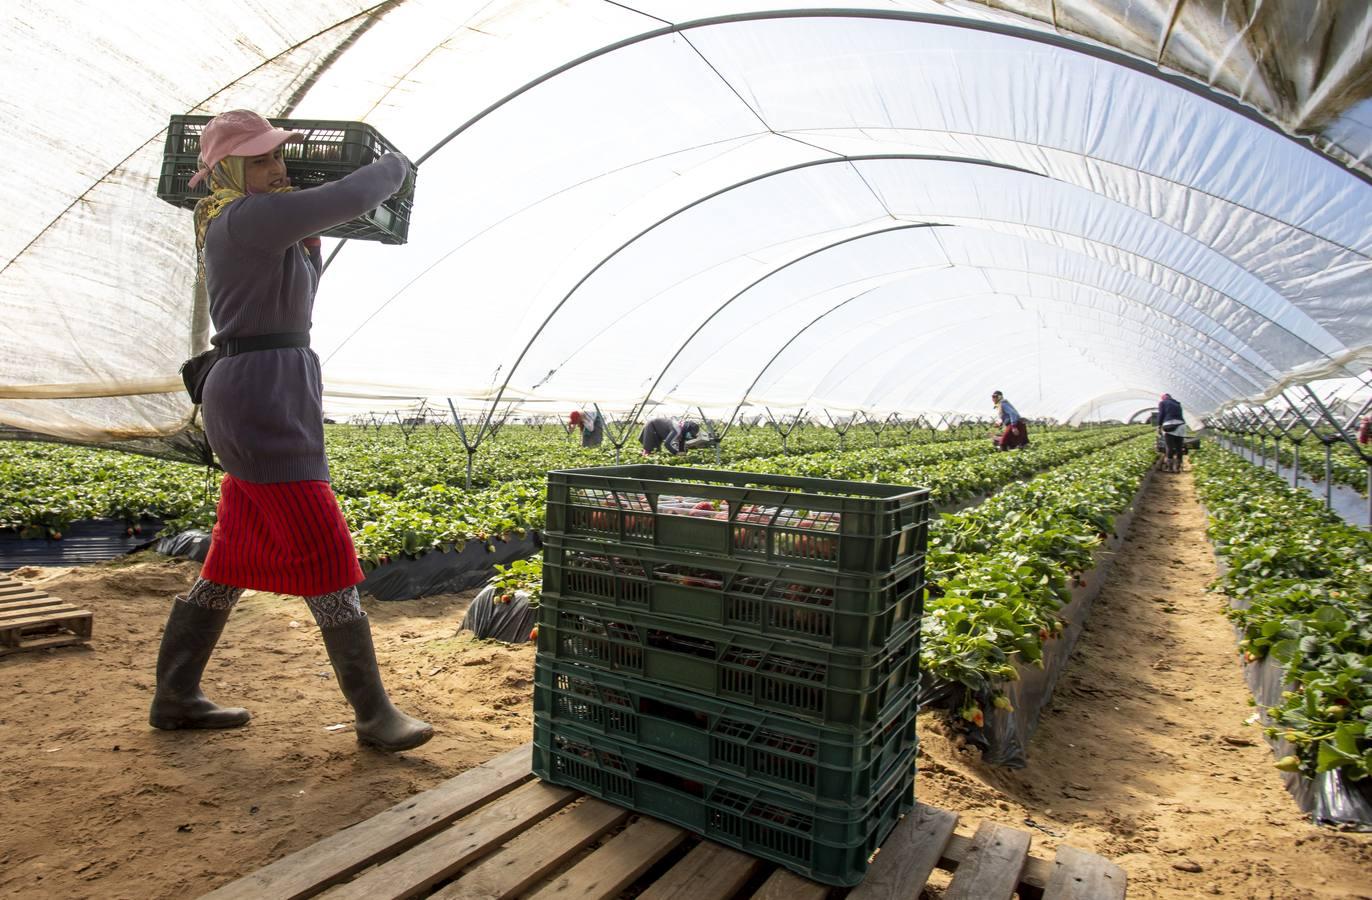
(228, 182)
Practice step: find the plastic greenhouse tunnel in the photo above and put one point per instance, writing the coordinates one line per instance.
(722, 448)
(887, 207)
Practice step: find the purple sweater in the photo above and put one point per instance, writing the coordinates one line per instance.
(264, 411)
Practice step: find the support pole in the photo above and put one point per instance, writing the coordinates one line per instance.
(1329, 476)
(467, 445)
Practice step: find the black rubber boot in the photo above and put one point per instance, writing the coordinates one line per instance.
(189, 639)
(379, 723)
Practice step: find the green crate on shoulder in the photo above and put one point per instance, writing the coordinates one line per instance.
(329, 151)
(820, 840)
(856, 527)
(827, 609)
(798, 757)
(838, 688)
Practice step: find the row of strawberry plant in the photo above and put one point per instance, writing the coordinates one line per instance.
(1300, 584)
(44, 487)
(388, 459)
(422, 518)
(948, 477)
(999, 572)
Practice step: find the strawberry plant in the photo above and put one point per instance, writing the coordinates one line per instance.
(521, 575)
(1300, 584)
(999, 572)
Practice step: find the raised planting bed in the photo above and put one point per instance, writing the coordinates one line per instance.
(1299, 584)
(1013, 582)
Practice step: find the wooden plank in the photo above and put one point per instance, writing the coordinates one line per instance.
(31, 607)
(15, 598)
(909, 856)
(1079, 875)
(339, 856)
(458, 846)
(1037, 872)
(786, 885)
(536, 853)
(709, 872)
(21, 593)
(43, 643)
(44, 618)
(21, 600)
(619, 863)
(993, 864)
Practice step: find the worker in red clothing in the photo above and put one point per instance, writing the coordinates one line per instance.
(592, 425)
(1014, 433)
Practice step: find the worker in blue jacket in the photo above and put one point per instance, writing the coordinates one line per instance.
(1172, 427)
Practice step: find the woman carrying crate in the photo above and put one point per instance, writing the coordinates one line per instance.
(279, 525)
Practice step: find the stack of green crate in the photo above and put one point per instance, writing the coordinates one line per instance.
(736, 653)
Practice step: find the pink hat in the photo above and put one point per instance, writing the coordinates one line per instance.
(238, 132)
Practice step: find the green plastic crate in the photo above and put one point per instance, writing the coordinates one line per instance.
(798, 757)
(850, 526)
(824, 608)
(822, 841)
(838, 688)
(329, 151)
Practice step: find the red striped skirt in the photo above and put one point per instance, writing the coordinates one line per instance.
(287, 538)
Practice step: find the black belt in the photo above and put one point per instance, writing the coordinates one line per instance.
(235, 346)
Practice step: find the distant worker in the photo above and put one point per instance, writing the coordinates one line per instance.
(1172, 427)
(1015, 433)
(592, 425)
(1365, 430)
(676, 436)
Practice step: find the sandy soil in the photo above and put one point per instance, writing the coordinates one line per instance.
(97, 804)
(1144, 756)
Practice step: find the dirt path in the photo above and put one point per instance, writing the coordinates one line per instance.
(97, 804)
(1144, 756)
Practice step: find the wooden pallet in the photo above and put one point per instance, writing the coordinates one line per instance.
(31, 619)
(496, 832)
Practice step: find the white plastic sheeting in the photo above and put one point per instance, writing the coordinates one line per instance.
(897, 206)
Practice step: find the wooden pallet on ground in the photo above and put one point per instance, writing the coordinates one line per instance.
(496, 832)
(31, 619)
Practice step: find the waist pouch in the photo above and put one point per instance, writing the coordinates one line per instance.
(195, 370)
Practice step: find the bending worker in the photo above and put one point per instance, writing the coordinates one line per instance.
(1015, 434)
(591, 423)
(675, 436)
